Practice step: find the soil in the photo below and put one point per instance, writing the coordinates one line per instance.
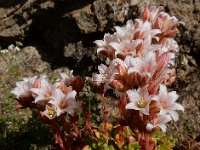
(59, 34)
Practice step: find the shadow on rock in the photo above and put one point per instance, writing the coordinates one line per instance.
(58, 38)
(12, 3)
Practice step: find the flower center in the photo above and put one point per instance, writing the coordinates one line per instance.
(51, 113)
(64, 104)
(48, 94)
(142, 102)
(126, 49)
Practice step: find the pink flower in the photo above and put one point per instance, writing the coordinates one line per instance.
(122, 81)
(139, 100)
(126, 32)
(168, 102)
(165, 23)
(50, 111)
(68, 81)
(65, 102)
(67, 77)
(144, 66)
(23, 88)
(106, 75)
(44, 93)
(152, 13)
(170, 44)
(103, 46)
(160, 121)
(161, 65)
(101, 80)
(145, 32)
(125, 47)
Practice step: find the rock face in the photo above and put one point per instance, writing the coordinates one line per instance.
(63, 32)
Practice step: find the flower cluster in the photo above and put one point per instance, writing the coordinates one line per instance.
(142, 59)
(51, 99)
(141, 65)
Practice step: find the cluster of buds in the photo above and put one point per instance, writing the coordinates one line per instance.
(141, 64)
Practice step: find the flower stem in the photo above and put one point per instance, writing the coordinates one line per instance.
(105, 117)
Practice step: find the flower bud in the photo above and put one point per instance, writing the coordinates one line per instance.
(146, 14)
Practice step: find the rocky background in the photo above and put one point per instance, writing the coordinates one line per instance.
(48, 36)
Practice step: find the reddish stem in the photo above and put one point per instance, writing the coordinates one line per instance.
(59, 136)
(67, 124)
(105, 117)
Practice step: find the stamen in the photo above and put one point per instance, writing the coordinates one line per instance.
(51, 113)
(142, 102)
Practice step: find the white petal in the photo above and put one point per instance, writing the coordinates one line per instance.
(163, 127)
(99, 42)
(117, 46)
(162, 119)
(155, 98)
(102, 68)
(149, 126)
(39, 98)
(174, 115)
(132, 105)
(163, 90)
(97, 78)
(58, 95)
(100, 49)
(177, 106)
(71, 95)
(137, 62)
(145, 110)
(128, 60)
(119, 30)
(36, 90)
(133, 70)
(137, 42)
(172, 55)
(150, 57)
(146, 26)
(162, 112)
(70, 111)
(108, 38)
(59, 111)
(133, 95)
(155, 31)
(173, 96)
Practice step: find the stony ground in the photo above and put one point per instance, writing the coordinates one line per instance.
(55, 35)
